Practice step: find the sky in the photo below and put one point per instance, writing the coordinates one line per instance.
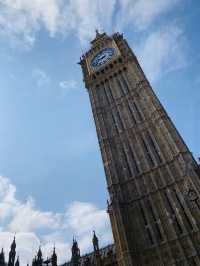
(52, 184)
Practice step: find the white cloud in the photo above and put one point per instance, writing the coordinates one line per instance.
(33, 226)
(84, 16)
(162, 51)
(28, 16)
(93, 218)
(41, 77)
(141, 13)
(79, 17)
(68, 84)
(35, 219)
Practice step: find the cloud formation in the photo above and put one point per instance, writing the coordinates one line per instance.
(141, 13)
(162, 51)
(24, 218)
(67, 86)
(81, 17)
(78, 17)
(41, 77)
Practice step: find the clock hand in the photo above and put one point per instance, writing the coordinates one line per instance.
(102, 57)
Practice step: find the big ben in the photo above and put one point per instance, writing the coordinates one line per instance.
(152, 178)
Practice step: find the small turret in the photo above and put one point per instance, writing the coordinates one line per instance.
(75, 254)
(39, 257)
(2, 258)
(54, 257)
(17, 261)
(12, 253)
(34, 262)
(95, 242)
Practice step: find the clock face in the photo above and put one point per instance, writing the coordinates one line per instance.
(102, 57)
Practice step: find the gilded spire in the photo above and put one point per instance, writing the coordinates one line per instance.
(95, 242)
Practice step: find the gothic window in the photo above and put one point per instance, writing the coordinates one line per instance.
(147, 153)
(131, 114)
(125, 163)
(184, 212)
(147, 226)
(133, 162)
(134, 191)
(142, 185)
(114, 84)
(174, 171)
(101, 95)
(135, 111)
(156, 226)
(140, 118)
(103, 125)
(159, 179)
(117, 120)
(153, 148)
(93, 95)
(109, 91)
(125, 84)
(166, 173)
(191, 196)
(111, 124)
(115, 156)
(173, 215)
(122, 91)
(106, 95)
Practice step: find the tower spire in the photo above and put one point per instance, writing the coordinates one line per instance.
(54, 257)
(95, 242)
(39, 257)
(75, 260)
(12, 253)
(2, 258)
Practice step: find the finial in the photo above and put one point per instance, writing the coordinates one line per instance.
(94, 236)
(97, 33)
(54, 248)
(95, 241)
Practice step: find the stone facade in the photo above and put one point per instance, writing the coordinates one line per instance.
(152, 178)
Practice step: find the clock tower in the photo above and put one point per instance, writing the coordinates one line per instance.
(152, 178)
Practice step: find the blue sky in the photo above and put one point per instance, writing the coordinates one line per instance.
(52, 174)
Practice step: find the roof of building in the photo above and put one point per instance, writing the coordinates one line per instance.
(107, 253)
